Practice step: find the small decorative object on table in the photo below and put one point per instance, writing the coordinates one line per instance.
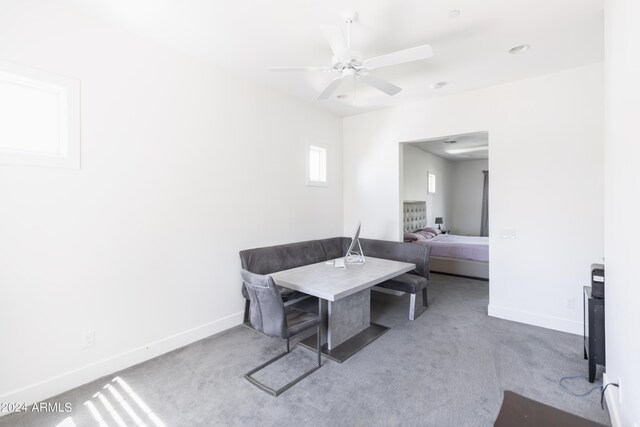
(354, 253)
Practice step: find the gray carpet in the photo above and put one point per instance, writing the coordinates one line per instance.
(447, 368)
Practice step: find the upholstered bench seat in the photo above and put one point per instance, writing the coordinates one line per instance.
(271, 259)
(409, 283)
(415, 282)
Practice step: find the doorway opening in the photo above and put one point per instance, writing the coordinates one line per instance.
(444, 201)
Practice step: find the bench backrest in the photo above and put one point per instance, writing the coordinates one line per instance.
(399, 251)
(283, 257)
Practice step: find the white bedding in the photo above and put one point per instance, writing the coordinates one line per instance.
(474, 248)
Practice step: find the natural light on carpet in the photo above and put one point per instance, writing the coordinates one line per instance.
(121, 407)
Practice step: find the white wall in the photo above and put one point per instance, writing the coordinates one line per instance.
(183, 165)
(622, 196)
(416, 164)
(466, 196)
(546, 136)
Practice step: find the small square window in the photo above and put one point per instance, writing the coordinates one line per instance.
(431, 183)
(40, 118)
(316, 165)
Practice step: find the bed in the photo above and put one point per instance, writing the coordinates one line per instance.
(450, 253)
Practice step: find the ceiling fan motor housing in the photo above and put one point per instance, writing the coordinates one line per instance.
(349, 16)
(353, 63)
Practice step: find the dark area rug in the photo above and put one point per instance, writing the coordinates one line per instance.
(519, 411)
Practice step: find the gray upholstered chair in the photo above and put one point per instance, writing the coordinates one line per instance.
(268, 315)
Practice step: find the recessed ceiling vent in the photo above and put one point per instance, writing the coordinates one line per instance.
(519, 49)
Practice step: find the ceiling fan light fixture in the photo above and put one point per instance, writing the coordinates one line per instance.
(438, 85)
(519, 49)
(468, 150)
(349, 16)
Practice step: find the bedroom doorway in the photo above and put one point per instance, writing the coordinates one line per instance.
(444, 201)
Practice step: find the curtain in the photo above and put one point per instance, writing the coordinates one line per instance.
(484, 220)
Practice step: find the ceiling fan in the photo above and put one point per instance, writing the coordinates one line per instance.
(347, 62)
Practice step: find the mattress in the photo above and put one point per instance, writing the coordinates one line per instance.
(473, 248)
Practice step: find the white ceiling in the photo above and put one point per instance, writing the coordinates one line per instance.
(438, 147)
(470, 51)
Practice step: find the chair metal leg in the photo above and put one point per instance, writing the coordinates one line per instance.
(247, 306)
(257, 383)
(425, 300)
(284, 388)
(319, 346)
(414, 309)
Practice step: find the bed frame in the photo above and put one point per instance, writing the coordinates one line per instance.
(414, 215)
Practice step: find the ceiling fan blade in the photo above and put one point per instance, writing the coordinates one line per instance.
(400, 57)
(336, 42)
(300, 68)
(332, 87)
(383, 85)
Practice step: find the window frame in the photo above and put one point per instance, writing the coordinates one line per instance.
(68, 92)
(322, 149)
(431, 179)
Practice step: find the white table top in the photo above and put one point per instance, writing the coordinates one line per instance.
(325, 281)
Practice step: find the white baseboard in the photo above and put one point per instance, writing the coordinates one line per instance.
(549, 322)
(611, 397)
(77, 377)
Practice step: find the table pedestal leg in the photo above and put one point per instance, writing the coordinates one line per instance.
(347, 317)
(346, 326)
